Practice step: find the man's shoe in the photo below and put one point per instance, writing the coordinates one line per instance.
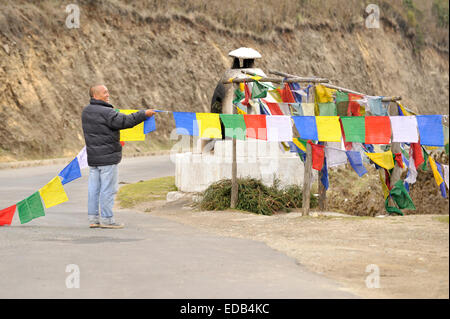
(112, 226)
(94, 225)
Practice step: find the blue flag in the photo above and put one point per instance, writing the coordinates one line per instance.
(324, 177)
(306, 127)
(442, 186)
(430, 130)
(186, 123)
(70, 172)
(149, 125)
(355, 160)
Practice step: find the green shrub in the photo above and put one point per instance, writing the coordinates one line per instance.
(254, 197)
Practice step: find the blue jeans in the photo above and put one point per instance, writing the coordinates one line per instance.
(102, 188)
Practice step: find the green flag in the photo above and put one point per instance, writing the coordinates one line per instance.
(354, 128)
(259, 91)
(234, 125)
(424, 166)
(327, 109)
(341, 97)
(239, 96)
(30, 208)
(401, 198)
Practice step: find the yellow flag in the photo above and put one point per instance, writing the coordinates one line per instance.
(53, 193)
(384, 159)
(276, 95)
(328, 128)
(436, 174)
(135, 133)
(209, 125)
(299, 145)
(324, 94)
(240, 111)
(256, 77)
(383, 185)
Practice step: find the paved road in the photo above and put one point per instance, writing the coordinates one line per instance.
(150, 258)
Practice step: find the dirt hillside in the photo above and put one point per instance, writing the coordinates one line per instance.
(169, 55)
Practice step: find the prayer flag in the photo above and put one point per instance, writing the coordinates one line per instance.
(306, 127)
(82, 158)
(300, 143)
(328, 128)
(234, 125)
(258, 91)
(318, 156)
(30, 208)
(297, 109)
(378, 130)
(256, 126)
(135, 133)
(401, 197)
(404, 129)
(279, 128)
(273, 108)
(416, 154)
(324, 177)
(149, 124)
(186, 123)
(411, 177)
(6, 215)
(295, 89)
(209, 125)
(275, 95)
(437, 177)
(442, 185)
(327, 109)
(354, 128)
(239, 95)
(334, 154)
(308, 109)
(324, 94)
(354, 108)
(53, 193)
(70, 172)
(286, 94)
(376, 107)
(385, 159)
(354, 157)
(430, 130)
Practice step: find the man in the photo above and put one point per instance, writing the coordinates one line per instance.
(101, 125)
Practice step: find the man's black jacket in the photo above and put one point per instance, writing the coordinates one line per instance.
(101, 124)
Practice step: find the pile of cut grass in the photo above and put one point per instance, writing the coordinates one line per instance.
(254, 197)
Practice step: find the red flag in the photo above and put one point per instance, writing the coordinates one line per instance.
(256, 126)
(398, 159)
(417, 154)
(122, 143)
(318, 155)
(274, 108)
(286, 94)
(248, 95)
(378, 129)
(6, 215)
(353, 106)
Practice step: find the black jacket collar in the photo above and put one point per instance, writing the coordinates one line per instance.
(100, 102)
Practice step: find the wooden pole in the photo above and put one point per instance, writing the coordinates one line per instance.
(307, 181)
(275, 80)
(332, 86)
(322, 194)
(234, 183)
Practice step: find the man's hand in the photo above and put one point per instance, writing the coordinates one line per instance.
(149, 113)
